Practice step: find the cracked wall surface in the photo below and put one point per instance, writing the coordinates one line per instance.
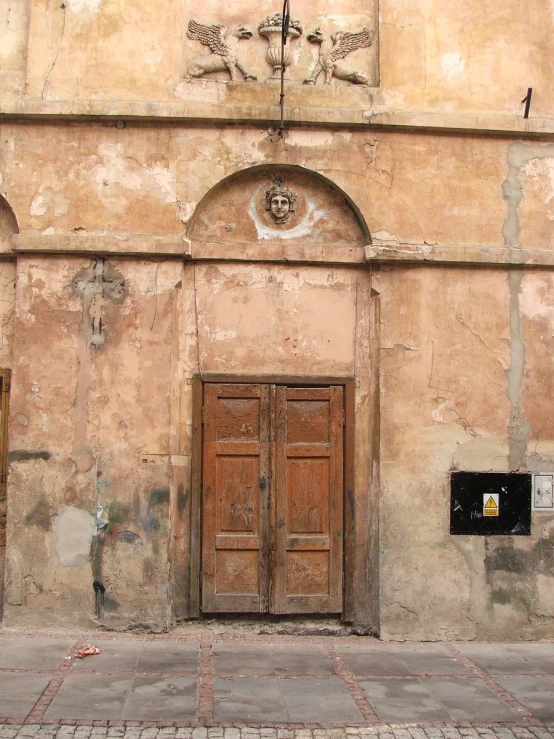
(465, 383)
(101, 428)
(146, 180)
(85, 502)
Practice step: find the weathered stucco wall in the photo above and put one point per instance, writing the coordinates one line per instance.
(105, 348)
(432, 55)
(419, 189)
(89, 482)
(454, 338)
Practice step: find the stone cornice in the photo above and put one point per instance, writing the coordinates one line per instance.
(246, 112)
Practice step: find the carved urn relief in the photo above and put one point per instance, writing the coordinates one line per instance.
(272, 28)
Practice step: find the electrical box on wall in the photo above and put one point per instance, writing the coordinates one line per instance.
(543, 492)
(490, 503)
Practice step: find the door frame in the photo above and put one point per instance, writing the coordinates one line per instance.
(198, 383)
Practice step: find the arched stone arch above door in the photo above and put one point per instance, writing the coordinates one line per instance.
(280, 211)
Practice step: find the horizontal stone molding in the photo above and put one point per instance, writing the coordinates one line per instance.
(459, 254)
(113, 244)
(330, 109)
(299, 253)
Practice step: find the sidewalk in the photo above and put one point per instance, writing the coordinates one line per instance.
(272, 687)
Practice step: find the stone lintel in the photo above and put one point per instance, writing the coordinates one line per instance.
(333, 114)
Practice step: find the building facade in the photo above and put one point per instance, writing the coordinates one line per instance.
(242, 366)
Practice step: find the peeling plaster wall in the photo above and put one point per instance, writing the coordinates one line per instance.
(146, 180)
(451, 339)
(105, 349)
(89, 465)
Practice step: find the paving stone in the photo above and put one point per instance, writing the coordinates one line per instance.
(199, 733)
(182, 733)
(402, 734)
(232, 734)
(417, 733)
(540, 733)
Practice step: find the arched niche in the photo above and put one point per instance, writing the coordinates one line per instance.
(238, 210)
(8, 221)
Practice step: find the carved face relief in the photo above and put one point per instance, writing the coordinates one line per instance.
(280, 202)
(279, 208)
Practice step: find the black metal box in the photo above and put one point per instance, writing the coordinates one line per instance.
(490, 503)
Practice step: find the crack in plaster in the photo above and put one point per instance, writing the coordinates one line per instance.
(56, 55)
(482, 340)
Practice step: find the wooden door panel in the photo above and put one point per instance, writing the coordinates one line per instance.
(307, 569)
(278, 550)
(235, 490)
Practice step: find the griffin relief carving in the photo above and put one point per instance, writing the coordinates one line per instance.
(223, 47)
(332, 52)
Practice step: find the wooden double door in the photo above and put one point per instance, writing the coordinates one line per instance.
(272, 499)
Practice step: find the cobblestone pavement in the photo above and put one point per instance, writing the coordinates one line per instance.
(272, 687)
(383, 731)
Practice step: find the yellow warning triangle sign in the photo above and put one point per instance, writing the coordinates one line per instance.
(491, 503)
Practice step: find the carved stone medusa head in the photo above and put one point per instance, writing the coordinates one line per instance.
(280, 201)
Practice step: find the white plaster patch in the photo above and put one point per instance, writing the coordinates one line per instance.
(61, 205)
(309, 138)
(437, 415)
(118, 168)
(115, 169)
(384, 236)
(453, 66)
(185, 211)
(221, 334)
(72, 535)
(166, 182)
(540, 170)
(304, 228)
(537, 300)
(38, 206)
(76, 6)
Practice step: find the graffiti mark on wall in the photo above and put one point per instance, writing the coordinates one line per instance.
(244, 510)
